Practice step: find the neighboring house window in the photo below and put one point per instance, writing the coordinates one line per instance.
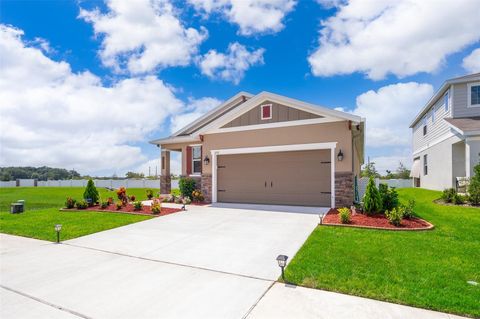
(446, 101)
(425, 164)
(266, 111)
(474, 94)
(196, 159)
(424, 126)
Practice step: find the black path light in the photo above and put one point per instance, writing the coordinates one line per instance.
(282, 262)
(321, 216)
(58, 228)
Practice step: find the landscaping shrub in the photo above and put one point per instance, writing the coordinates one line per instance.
(122, 195)
(459, 199)
(137, 205)
(187, 186)
(409, 209)
(389, 197)
(110, 201)
(395, 216)
(91, 192)
(175, 192)
(198, 196)
(70, 202)
(156, 207)
(178, 200)
(119, 205)
(372, 202)
(474, 186)
(449, 194)
(132, 198)
(81, 204)
(104, 204)
(149, 193)
(187, 200)
(344, 214)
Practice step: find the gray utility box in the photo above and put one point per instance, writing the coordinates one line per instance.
(18, 207)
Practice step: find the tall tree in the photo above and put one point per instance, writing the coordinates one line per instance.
(369, 170)
(403, 172)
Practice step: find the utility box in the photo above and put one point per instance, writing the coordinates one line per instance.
(22, 201)
(16, 208)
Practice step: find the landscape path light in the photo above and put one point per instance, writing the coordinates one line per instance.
(282, 262)
(58, 228)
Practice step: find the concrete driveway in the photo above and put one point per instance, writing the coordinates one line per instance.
(232, 240)
(204, 263)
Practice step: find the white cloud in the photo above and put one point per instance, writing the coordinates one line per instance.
(53, 116)
(400, 37)
(143, 35)
(232, 65)
(389, 111)
(252, 16)
(471, 63)
(195, 109)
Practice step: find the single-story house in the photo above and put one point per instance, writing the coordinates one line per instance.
(269, 149)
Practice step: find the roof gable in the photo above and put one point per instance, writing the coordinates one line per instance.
(279, 113)
(215, 113)
(267, 97)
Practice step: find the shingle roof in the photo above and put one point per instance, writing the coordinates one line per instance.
(466, 124)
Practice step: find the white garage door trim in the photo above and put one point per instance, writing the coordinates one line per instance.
(277, 148)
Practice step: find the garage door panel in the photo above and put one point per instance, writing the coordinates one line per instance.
(284, 178)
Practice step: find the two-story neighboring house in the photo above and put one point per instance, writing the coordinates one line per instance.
(446, 134)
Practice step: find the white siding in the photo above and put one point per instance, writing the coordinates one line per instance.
(440, 164)
(435, 129)
(460, 102)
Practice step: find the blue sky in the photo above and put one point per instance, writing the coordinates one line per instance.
(386, 65)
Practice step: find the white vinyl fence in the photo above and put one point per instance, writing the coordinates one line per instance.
(397, 183)
(113, 183)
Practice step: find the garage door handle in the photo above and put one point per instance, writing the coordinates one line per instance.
(265, 183)
(326, 192)
(271, 184)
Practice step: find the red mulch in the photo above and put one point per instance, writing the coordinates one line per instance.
(375, 221)
(146, 210)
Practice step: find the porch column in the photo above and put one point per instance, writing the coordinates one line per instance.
(165, 179)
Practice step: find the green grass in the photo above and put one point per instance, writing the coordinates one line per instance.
(427, 269)
(42, 213)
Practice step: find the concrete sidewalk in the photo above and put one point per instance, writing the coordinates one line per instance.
(286, 301)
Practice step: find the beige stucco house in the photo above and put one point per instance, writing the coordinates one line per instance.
(269, 149)
(446, 135)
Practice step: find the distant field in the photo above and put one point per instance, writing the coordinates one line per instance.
(42, 213)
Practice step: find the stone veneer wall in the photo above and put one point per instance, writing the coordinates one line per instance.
(207, 187)
(343, 189)
(165, 184)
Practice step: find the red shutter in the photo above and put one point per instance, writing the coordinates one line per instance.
(189, 160)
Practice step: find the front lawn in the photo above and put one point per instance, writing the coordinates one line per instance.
(42, 213)
(427, 269)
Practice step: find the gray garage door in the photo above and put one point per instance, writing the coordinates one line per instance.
(279, 178)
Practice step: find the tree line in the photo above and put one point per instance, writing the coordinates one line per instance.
(45, 173)
(369, 170)
(40, 173)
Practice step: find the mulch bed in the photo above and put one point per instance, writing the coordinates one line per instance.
(375, 222)
(146, 210)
